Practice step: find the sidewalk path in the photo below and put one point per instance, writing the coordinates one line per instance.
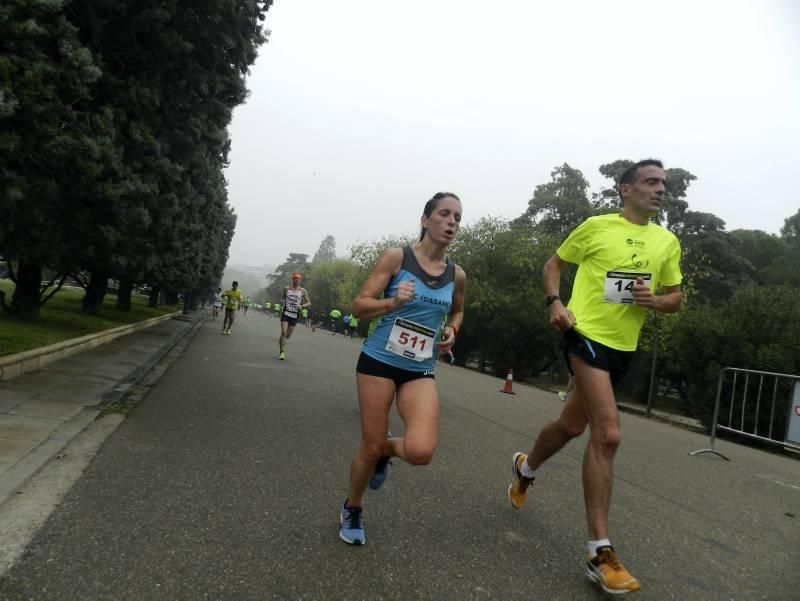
(41, 411)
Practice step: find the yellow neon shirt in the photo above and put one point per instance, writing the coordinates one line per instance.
(232, 298)
(611, 252)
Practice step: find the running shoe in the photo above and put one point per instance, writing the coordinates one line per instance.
(381, 470)
(518, 489)
(352, 525)
(282, 356)
(607, 571)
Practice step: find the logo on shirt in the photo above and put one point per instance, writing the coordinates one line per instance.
(635, 243)
(639, 261)
(433, 301)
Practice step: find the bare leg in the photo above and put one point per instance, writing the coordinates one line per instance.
(286, 333)
(593, 386)
(375, 396)
(556, 434)
(418, 406)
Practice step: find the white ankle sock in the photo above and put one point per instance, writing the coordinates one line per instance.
(596, 544)
(526, 471)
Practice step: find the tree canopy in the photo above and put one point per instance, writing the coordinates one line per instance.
(113, 141)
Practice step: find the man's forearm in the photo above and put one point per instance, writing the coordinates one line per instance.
(552, 278)
(668, 303)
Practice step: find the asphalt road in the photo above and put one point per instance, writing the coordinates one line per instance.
(226, 482)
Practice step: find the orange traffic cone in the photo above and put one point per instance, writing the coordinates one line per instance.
(509, 383)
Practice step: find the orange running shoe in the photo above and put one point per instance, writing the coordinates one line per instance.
(518, 489)
(607, 570)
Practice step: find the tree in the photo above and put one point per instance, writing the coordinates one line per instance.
(767, 254)
(52, 141)
(757, 328)
(366, 254)
(295, 262)
(710, 258)
(334, 284)
(326, 251)
(505, 322)
(790, 231)
(561, 204)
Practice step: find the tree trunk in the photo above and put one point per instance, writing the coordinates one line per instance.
(152, 301)
(95, 292)
(26, 302)
(170, 297)
(187, 301)
(124, 295)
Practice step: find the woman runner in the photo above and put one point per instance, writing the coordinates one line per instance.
(422, 286)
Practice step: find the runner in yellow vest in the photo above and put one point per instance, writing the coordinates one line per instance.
(233, 298)
(627, 266)
(335, 315)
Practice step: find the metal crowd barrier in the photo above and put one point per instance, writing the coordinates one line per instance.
(779, 394)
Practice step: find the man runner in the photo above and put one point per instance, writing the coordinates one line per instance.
(622, 260)
(217, 304)
(335, 315)
(353, 325)
(232, 296)
(295, 297)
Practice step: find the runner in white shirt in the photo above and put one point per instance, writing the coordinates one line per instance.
(295, 299)
(216, 305)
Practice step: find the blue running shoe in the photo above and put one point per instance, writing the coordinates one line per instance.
(352, 522)
(379, 474)
(381, 470)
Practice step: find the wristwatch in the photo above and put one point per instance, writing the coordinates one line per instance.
(550, 299)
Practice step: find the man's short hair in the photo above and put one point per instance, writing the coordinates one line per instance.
(235, 283)
(631, 173)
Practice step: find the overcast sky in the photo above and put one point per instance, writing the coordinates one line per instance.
(360, 110)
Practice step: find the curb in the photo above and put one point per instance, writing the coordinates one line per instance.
(20, 363)
(13, 479)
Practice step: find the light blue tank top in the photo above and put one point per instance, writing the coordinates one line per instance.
(407, 337)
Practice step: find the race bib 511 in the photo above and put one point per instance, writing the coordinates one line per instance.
(411, 340)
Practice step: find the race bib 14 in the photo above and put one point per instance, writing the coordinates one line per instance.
(618, 288)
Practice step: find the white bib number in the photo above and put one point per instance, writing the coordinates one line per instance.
(292, 303)
(411, 340)
(290, 309)
(618, 288)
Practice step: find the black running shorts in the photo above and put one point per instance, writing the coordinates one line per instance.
(292, 321)
(372, 367)
(597, 355)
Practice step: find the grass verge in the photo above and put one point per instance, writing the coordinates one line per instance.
(61, 319)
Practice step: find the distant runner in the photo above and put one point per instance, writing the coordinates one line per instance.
(295, 297)
(216, 304)
(353, 325)
(232, 296)
(335, 315)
